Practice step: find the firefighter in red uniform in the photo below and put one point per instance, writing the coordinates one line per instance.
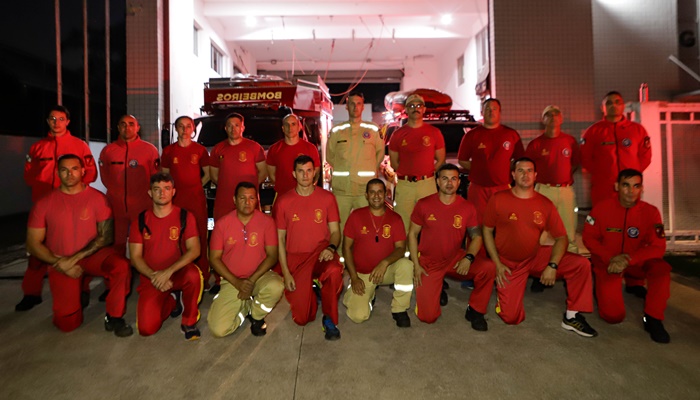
(416, 150)
(486, 151)
(281, 155)
(125, 168)
(70, 229)
(40, 173)
(557, 156)
(444, 219)
(188, 163)
(626, 239)
(243, 250)
(163, 244)
(309, 235)
(520, 215)
(611, 145)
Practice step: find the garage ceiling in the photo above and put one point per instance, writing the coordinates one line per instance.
(322, 35)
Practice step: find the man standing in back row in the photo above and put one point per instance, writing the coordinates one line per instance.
(354, 150)
(486, 152)
(188, 163)
(416, 150)
(557, 156)
(41, 175)
(126, 166)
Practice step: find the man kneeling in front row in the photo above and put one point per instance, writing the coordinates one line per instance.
(71, 229)
(626, 238)
(374, 245)
(163, 243)
(243, 249)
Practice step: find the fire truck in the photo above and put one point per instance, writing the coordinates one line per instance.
(264, 100)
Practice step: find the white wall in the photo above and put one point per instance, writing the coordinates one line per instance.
(632, 41)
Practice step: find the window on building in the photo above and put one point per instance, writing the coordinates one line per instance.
(195, 40)
(217, 59)
(460, 70)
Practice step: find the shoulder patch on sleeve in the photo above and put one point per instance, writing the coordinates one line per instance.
(659, 230)
(590, 220)
(647, 142)
(582, 141)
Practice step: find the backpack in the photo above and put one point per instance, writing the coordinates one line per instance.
(183, 224)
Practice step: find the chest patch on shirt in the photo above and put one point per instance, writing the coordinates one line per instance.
(174, 233)
(175, 160)
(431, 217)
(386, 231)
(506, 145)
(659, 231)
(242, 156)
(230, 240)
(545, 152)
(537, 218)
(318, 216)
(513, 217)
(566, 152)
(194, 159)
(366, 134)
(133, 163)
(614, 230)
(457, 221)
(364, 231)
(426, 141)
(253, 240)
(633, 232)
(626, 142)
(85, 215)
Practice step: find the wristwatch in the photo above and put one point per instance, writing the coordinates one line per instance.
(553, 265)
(470, 257)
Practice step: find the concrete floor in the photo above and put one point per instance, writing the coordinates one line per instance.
(446, 360)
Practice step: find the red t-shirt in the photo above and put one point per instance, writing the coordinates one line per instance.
(281, 156)
(236, 164)
(70, 220)
(444, 227)
(416, 148)
(555, 158)
(305, 218)
(373, 237)
(520, 222)
(490, 151)
(185, 164)
(163, 246)
(243, 246)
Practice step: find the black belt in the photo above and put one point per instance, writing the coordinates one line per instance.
(411, 178)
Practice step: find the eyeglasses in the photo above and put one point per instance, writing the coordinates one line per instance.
(54, 119)
(418, 106)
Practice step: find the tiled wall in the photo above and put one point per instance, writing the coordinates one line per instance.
(145, 63)
(543, 54)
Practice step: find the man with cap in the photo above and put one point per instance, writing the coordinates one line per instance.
(556, 155)
(486, 151)
(416, 150)
(281, 155)
(355, 150)
(626, 238)
(41, 175)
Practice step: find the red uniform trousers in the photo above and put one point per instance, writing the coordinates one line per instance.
(33, 281)
(482, 272)
(107, 263)
(154, 306)
(480, 195)
(122, 219)
(574, 269)
(194, 202)
(608, 288)
(305, 267)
